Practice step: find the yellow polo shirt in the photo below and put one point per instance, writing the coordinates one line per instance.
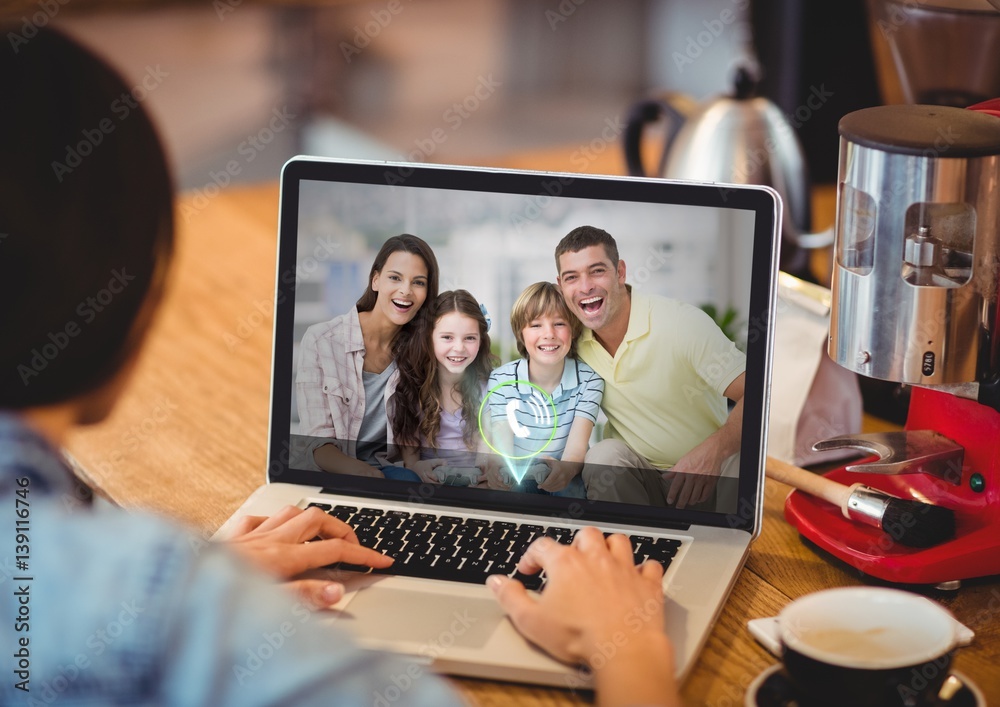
(664, 388)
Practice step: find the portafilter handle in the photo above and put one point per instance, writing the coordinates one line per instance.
(903, 452)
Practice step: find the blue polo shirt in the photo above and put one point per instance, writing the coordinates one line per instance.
(579, 393)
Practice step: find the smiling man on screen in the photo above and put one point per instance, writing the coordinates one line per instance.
(668, 372)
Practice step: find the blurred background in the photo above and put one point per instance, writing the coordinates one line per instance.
(240, 86)
(249, 83)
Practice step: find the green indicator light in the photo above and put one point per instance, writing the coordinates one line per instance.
(548, 400)
(977, 483)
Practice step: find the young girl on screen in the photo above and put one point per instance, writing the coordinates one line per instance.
(443, 375)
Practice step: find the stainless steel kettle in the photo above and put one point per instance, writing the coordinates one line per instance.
(740, 139)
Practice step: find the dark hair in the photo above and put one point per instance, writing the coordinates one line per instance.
(408, 244)
(538, 300)
(584, 237)
(86, 221)
(417, 402)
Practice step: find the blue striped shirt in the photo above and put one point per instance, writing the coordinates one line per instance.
(579, 393)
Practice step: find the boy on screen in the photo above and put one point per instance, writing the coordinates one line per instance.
(543, 406)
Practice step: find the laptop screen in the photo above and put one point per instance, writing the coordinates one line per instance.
(593, 348)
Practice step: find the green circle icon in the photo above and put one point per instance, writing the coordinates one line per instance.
(546, 397)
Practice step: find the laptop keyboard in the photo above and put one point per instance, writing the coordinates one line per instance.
(464, 549)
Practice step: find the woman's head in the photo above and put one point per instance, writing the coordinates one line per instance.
(86, 217)
(403, 277)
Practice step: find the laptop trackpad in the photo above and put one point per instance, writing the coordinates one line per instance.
(384, 614)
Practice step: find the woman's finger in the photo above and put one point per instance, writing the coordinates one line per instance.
(285, 514)
(317, 593)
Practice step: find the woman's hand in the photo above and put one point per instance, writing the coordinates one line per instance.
(597, 609)
(285, 545)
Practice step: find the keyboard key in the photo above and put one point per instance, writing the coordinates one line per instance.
(505, 566)
(469, 552)
(497, 546)
(662, 554)
(530, 581)
(667, 542)
(389, 546)
(476, 570)
(440, 540)
(364, 569)
(556, 534)
(442, 527)
(362, 519)
(415, 524)
(392, 533)
(343, 512)
(394, 519)
(447, 568)
(325, 507)
(422, 560)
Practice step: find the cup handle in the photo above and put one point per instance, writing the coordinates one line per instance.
(767, 633)
(963, 634)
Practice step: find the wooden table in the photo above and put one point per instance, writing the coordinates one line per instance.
(188, 440)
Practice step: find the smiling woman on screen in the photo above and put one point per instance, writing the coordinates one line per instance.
(347, 372)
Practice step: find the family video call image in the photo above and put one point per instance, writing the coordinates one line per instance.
(569, 347)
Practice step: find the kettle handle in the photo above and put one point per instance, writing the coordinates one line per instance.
(650, 111)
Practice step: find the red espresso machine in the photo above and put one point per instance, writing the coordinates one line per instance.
(915, 283)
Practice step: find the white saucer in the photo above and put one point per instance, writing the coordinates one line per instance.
(750, 699)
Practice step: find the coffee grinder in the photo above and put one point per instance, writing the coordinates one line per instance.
(916, 272)
(915, 282)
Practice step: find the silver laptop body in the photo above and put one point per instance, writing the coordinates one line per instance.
(493, 233)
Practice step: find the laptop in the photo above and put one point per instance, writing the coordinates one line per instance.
(493, 233)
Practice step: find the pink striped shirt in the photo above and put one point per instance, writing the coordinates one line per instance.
(330, 391)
